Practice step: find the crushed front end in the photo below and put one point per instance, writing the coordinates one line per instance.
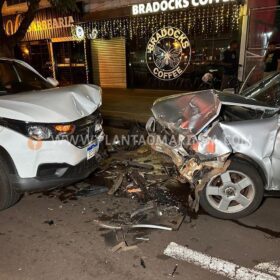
(186, 128)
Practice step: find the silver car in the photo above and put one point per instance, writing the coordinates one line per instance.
(226, 146)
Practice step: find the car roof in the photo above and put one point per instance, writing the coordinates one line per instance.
(235, 99)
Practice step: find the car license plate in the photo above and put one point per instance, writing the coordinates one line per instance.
(92, 150)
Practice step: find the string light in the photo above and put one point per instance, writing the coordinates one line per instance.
(86, 61)
(201, 21)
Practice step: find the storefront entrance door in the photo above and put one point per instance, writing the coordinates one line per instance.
(109, 62)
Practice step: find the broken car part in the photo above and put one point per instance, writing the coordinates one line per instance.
(117, 184)
(91, 191)
(134, 226)
(203, 132)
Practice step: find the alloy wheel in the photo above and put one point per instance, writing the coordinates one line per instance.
(230, 192)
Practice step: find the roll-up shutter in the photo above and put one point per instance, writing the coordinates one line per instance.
(109, 62)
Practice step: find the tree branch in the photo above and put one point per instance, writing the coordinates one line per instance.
(33, 7)
(2, 30)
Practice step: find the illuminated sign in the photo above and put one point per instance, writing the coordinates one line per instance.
(78, 32)
(170, 5)
(48, 23)
(52, 23)
(94, 33)
(168, 53)
(12, 25)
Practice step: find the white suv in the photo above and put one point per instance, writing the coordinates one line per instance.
(49, 136)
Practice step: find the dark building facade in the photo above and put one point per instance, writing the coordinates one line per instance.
(209, 29)
(50, 47)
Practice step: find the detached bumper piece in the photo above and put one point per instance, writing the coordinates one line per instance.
(56, 175)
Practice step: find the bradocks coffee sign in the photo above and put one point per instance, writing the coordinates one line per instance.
(170, 5)
(168, 53)
(47, 24)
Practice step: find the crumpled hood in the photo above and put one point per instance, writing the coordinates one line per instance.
(190, 113)
(187, 113)
(56, 105)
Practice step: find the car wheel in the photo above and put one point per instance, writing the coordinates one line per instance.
(8, 195)
(235, 193)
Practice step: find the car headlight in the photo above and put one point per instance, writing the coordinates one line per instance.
(98, 128)
(39, 133)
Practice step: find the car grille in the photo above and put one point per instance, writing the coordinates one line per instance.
(85, 131)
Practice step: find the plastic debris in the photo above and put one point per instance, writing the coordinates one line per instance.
(116, 185)
(49, 222)
(142, 262)
(91, 191)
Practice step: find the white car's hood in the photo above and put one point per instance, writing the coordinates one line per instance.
(56, 105)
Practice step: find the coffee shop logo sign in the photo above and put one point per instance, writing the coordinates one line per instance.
(168, 53)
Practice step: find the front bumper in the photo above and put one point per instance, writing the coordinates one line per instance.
(56, 175)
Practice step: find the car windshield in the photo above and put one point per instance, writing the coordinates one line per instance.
(16, 78)
(266, 91)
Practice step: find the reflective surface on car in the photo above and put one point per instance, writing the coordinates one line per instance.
(15, 78)
(266, 91)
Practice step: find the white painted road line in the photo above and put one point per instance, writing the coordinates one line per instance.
(216, 265)
(270, 268)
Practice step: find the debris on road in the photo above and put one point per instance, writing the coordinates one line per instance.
(142, 262)
(174, 271)
(116, 185)
(49, 222)
(123, 247)
(92, 191)
(151, 181)
(143, 238)
(133, 226)
(134, 190)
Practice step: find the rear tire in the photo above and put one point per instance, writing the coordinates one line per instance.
(8, 195)
(234, 194)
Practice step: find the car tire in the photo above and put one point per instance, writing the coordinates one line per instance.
(224, 197)
(8, 195)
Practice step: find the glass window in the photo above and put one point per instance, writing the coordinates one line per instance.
(267, 91)
(263, 28)
(210, 29)
(70, 62)
(15, 78)
(29, 79)
(7, 75)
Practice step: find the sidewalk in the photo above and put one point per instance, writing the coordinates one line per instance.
(124, 106)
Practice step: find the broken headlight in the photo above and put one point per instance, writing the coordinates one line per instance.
(38, 132)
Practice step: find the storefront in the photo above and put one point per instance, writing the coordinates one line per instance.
(264, 26)
(50, 47)
(119, 44)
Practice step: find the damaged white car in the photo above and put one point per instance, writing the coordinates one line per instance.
(49, 136)
(226, 146)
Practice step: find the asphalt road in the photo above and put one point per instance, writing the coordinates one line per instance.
(117, 104)
(74, 246)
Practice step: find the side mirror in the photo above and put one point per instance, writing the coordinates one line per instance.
(53, 81)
